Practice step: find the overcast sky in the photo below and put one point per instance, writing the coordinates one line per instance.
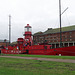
(40, 14)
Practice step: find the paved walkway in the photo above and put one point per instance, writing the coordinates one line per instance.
(46, 59)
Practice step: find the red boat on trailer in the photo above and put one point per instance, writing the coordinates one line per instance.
(25, 46)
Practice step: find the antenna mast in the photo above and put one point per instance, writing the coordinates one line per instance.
(9, 29)
(60, 23)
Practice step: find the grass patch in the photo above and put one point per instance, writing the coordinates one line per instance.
(11, 66)
(41, 56)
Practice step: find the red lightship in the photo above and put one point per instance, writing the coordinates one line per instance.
(25, 46)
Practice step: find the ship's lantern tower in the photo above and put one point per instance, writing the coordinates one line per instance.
(28, 35)
(28, 28)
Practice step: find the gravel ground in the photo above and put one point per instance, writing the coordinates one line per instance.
(45, 59)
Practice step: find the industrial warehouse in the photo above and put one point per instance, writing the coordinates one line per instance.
(52, 37)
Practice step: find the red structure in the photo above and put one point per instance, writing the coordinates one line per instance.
(25, 46)
(28, 35)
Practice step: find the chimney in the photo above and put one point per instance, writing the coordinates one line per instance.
(49, 28)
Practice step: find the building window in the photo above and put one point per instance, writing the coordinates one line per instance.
(70, 39)
(70, 32)
(70, 36)
(57, 40)
(66, 39)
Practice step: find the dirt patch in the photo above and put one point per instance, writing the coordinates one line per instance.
(40, 59)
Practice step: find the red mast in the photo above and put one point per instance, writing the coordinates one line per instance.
(28, 35)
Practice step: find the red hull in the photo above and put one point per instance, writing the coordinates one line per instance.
(66, 51)
(41, 50)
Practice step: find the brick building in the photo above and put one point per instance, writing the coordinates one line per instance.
(52, 36)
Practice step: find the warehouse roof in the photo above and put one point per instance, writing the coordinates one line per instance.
(56, 30)
(38, 33)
